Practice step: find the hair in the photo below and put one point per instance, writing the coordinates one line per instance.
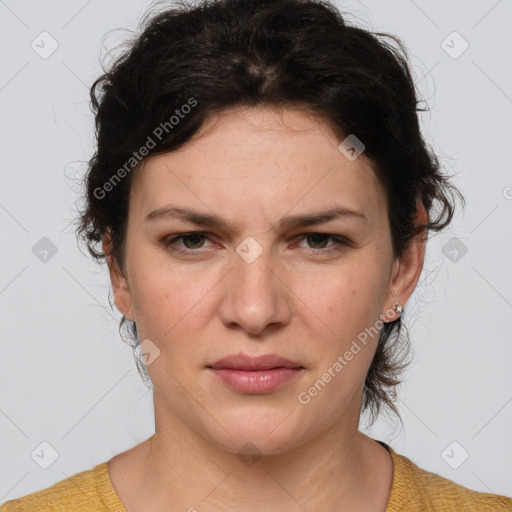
(192, 61)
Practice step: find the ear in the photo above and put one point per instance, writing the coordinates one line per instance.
(122, 294)
(407, 269)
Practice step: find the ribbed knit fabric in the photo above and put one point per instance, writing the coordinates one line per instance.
(413, 490)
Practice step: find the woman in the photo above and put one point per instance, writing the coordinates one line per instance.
(263, 197)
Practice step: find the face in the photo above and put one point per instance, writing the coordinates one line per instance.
(257, 283)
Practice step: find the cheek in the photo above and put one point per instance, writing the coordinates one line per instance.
(343, 308)
(170, 301)
(344, 346)
(346, 300)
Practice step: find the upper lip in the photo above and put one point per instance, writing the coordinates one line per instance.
(245, 362)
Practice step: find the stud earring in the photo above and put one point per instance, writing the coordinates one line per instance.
(399, 308)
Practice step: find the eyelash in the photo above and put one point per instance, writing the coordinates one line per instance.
(169, 243)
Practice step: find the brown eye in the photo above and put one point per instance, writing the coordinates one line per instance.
(191, 242)
(194, 240)
(319, 241)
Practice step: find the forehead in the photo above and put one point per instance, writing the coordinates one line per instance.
(259, 159)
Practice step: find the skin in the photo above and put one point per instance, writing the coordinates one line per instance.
(253, 166)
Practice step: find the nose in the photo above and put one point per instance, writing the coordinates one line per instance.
(256, 296)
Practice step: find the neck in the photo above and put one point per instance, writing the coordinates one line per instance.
(178, 469)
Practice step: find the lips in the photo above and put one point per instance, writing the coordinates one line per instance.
(255, 375)
(259, 363)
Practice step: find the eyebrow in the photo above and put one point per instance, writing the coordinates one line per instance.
(290, 221)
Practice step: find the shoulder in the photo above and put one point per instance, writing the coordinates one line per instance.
(82, 492)
(415, 489)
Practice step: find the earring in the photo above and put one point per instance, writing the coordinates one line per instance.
(399, 308)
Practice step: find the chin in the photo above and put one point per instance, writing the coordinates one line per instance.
(258, 433)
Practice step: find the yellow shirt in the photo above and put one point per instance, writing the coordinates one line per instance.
(413, 490)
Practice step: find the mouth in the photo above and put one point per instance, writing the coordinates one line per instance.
(249, 363)
(255, 375)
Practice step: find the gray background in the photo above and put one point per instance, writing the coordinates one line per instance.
(68, 379)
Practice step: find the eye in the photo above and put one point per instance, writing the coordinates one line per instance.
(188, 239)
(193, 243)
(320, 239)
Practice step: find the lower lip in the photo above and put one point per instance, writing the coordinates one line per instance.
(256, 382)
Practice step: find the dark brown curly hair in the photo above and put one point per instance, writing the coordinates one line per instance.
(216, 54)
